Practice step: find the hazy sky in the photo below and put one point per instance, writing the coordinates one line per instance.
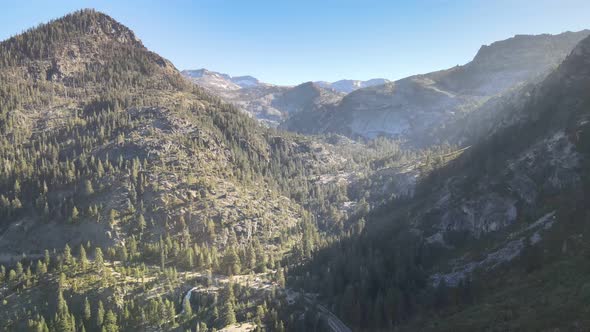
(289, 42)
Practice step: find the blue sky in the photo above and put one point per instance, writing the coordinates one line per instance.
(289, 42)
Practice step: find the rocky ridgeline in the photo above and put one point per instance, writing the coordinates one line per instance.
(413, 108)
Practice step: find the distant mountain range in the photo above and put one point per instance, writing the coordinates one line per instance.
(419, 108)
(269, 103)
(220, 81)
(348, 86)
(214, 80)
(414, 108)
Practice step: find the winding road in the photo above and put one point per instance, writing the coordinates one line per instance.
(333, 322)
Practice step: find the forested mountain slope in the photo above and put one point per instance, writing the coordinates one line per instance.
(496, 239)
(124, 183)
(126, 189)
(100, 131)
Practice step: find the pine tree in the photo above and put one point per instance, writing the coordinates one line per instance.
(99, 169)
(187, 309)
(260, 314)
(11, 275)
(110, 322)
(19, 269)
(132, 248)
(123, 255)
(62, 281)
(88, 190)
(141, 223)
(281, 277)
(67, 255)
(47, 258)
(99, 314)
(83, 258)
(63, 322)
(41, 268)
(231, 262)
(98, 258)
(228, 315)
(17, 187)
(170, 312)
(75, 214)
(87, 311)
(211, 230)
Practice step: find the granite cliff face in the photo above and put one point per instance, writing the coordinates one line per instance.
(539, 156)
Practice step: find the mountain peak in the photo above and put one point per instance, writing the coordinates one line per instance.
(90, 22)
(220, 81)
(315, 88)
(81, 27)
(86, 46)
(93, 22)
(246, 81)
(307, 85)
(204, 72)
(527, 50)
(575, 69)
